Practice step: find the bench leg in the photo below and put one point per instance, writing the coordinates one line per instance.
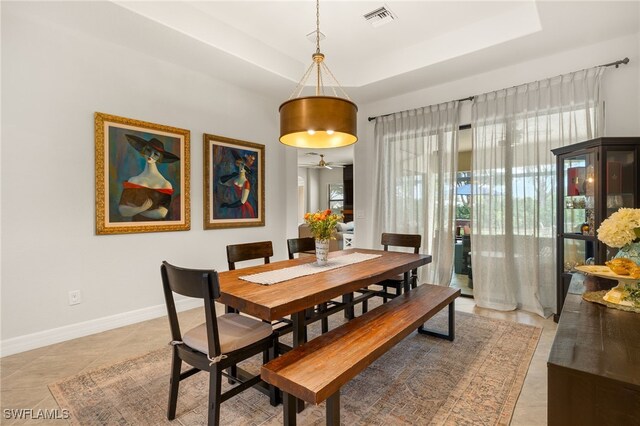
(452, 326)
(333, 409)
(289, 404)
(274, 392)
(299, 339)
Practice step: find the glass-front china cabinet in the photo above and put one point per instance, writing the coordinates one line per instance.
(595, 179)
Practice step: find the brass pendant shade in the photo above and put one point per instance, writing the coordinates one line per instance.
(318, 122)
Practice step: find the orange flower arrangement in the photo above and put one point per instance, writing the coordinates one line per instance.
(322, 224)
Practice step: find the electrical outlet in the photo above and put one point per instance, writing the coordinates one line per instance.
(74, 297)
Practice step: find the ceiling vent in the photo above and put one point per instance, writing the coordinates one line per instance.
(382, 15)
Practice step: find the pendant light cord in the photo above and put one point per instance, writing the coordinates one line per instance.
(318, 77)
(320, 66)
(317, 26)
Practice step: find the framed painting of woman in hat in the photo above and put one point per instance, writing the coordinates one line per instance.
(142, 176)
(234, 183)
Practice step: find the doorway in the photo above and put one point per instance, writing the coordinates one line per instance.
(462, 276)
(328, 174)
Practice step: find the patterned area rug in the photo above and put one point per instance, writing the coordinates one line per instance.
(423, 380)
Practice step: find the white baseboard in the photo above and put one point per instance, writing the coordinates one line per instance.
(61, 334)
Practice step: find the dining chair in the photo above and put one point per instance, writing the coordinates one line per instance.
(215, 345)
(308, 245)
(249, 251)
(399, 240)
(301, 245)
(243, 252)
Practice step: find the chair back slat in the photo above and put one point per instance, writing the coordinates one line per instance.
(301, 245)
(197, 283)
(188, 282)
(402, 240)
(249, 251)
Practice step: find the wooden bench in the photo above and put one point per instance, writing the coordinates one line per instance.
(316, 370)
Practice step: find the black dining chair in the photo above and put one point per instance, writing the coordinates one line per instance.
(244, 252)
(399, 240)
(249, 251)
(217, 344)
(305, 245)
(308, 245)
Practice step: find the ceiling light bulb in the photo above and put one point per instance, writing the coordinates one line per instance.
(329, 132)
(311, 132)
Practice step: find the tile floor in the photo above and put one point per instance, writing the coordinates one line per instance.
(25, 376)
(463, 283)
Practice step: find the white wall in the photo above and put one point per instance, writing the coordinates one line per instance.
(53, 80)
(326, 177)
(313, 192)
(316, 186)
(621, 93)
(303, 172)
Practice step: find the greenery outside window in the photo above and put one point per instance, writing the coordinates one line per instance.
(463, 195)
(336, 197)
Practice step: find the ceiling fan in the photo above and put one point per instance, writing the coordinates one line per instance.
(321, 164)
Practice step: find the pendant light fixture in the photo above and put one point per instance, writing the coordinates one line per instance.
(318, 121)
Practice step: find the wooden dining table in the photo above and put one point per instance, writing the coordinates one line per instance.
(293, 297)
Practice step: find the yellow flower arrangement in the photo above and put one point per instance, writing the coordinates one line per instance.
(621, 228)
(322, 224)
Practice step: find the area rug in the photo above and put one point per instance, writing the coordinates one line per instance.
(423, 380)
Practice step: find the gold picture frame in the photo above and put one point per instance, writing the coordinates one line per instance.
(233, 183)
(142, 176)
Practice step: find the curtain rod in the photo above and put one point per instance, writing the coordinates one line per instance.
(470, 98)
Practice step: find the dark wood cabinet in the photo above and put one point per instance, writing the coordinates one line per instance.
(593, 370)
(595, 178)
(347, 179)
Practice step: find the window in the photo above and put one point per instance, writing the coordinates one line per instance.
(336, 197)
(463, 196)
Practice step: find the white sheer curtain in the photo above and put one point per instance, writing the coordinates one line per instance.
(514, 184)
(416, 161)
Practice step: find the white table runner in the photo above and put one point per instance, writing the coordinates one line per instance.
(285, 274)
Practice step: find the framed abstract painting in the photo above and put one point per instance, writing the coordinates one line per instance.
(233, 183)
(142, 176)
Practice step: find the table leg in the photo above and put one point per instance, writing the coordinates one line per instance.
(406, 283)
(298, 339)
(298, 328)
(349, 312)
